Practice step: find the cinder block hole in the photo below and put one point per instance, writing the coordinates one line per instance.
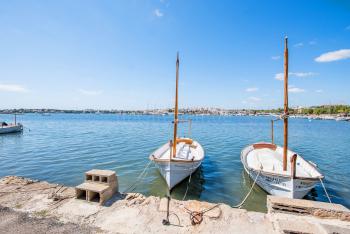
(88, 177)
(96, 178)
(81, 194)
(94, 197)
(104, 179)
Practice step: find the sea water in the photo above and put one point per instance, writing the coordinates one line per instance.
(59, 148)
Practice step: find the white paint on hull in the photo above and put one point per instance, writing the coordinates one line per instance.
(282, 186)
(174, 172)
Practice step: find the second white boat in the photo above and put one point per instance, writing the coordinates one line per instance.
(263, 162)
(278, 170)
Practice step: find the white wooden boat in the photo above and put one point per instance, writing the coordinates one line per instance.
(180, 157)
(267, 159)
(278, 170)
(174, 169)
(11, 128)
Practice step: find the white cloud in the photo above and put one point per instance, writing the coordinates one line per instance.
(313, 42)
(277, 57)
(12, 88)
(280, 76)
(300, 44)
(293, 89)
(254, 99)
(90, 92)
(319, 91)
(253, 89)
(158, 13)
(302, 74)
(333, 56)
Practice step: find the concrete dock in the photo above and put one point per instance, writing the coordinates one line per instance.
(28, 206)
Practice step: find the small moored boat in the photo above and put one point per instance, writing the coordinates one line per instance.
(278, 170)
(11, 127)
(179, 158)
(265, 161)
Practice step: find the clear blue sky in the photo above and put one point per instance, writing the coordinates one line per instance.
(121, 54)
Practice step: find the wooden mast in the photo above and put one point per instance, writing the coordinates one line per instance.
(285, 119)
(176, 106)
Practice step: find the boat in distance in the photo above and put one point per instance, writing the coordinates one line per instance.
(179, 157)
(11, 128)
(278, 170)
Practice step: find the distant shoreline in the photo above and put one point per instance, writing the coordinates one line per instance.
(166, 112)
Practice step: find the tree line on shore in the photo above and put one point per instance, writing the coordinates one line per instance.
(314, 110)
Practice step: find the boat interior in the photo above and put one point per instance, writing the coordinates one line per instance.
(269, 158)
(185, 151)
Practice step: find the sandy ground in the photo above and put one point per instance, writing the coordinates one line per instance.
(19, 222)
(135, 213)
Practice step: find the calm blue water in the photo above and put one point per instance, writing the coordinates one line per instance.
(61, 147)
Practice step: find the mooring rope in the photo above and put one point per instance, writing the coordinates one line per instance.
(246, 197)
(324, 188)
(188, 183)
(196, 217)
(139, 178)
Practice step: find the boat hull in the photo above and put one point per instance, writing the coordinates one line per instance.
(11, 129)
(175, 172)
(282, 186)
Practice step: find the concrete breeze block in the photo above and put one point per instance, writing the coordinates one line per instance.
(99, 186)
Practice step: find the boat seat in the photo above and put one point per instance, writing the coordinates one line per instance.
(184, 140)
(184, 152)
(265, 145)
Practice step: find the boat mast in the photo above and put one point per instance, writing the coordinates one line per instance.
(176, 106)
(285, 119)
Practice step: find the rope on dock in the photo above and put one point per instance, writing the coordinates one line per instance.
(133, 186)
(196, 217)
(324, 188)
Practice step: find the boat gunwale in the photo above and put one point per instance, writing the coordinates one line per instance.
(152, 158)
(248, 168)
